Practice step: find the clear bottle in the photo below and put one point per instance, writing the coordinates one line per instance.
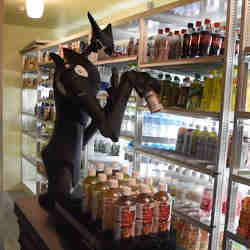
(201, 151)
(195, 135)
(109, 199)
(163, 209)
(144, 212)
(90, 180)
(125, 216)
(187, 145)
(96, 207)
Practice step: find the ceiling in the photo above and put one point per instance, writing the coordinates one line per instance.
(62, 13)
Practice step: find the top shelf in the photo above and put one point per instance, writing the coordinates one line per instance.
(123, 59)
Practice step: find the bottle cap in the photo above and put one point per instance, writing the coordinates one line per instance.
(132, 182)
(177, 32)
(126, 191)
(136, 174)
(148, 181)
(100, 166)
(113, 183)
(144, 189)
(160, 31)
(198, 24)
(92, 172)
(108, 171)
(183, 31)
(119, 176)
(216, 25)
(125, 170)
(163, 187)
(190, 25)
(207, 21)
(167, 29)
(102, 177)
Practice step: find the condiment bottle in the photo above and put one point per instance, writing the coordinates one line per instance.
(96, 196)
(187, 41)
(165, 46)
(205, 39)
(194, 47)
(134, 188)
(163, 209)
(90, 180)
(109, 199)
(216, 41)
(124, 216)
(144, 212)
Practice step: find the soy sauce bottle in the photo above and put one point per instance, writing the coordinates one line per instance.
(216, 41)
(205, 39)
(187, 41)
(194, 47)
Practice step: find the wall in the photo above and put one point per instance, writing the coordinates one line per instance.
(15, 38)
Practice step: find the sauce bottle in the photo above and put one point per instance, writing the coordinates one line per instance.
(158, 45)
(96, 207)
(205, 39)
(109, 199)
(222, 33)
(194, 47)
(163, 209)
(177, 44)
(144, 212)
(165, 46)
(216, 41)
(90, 180)
(124, 216)
(170, 44)
(183, 93)
(187, 41)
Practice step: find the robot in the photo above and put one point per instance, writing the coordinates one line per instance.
(75, 85)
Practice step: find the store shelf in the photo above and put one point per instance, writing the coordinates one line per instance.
(162, 140)
(30, 159)
(188, 65)
(193, 221)
(46, 100)
(32, 134)
(49, 65)
(180, 160)
(127, 135)
(241, 180)
(124, 59)
(31, 71)
(29, 114)
(237, 238)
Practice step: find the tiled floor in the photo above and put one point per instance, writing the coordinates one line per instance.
(8, 221)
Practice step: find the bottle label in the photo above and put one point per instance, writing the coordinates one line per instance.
(85, 207)
(108, 212)
(162, 216)
(144, 219)
(124, 226)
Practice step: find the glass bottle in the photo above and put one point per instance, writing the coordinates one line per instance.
(216, 41)
(205, 39)
(194, 47)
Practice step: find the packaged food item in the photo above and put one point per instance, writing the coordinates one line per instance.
(96, 207)
(109, 199)
(124, 216)
(90, 180)
(163, 209)
(144, 212)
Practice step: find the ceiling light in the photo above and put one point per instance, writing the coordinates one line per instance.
(34, 8)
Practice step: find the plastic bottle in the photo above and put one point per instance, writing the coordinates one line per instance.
(148, 181)
(157, 45)
(96, 206)
(187, 41)
(125, 171)
(223, 35)
(202, 144)
(180, 138)
(182, 34)
(170, 42)
(187, 145)
(134, 187)
(131, 45)
(108, 202)
(183, 93)
(194, 47)
(205, 39)
(216, 41)
(163, 210)
(136, 47)
(212, 146)
(177, 44)
(124, 216)
(144, 212)
(195, 135)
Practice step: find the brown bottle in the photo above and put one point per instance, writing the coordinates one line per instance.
(144, 212)
(124, 216)
(109, 199)
(163, 208)
(96, 207)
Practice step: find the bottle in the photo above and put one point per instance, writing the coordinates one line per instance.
(195, 135)
(150, 52)
(99, 169)
(205, 39)
(134, 187)
(109, 199)
(96, 207)
(183, 93)
(115, 168)
(175, 91)
(187, 144)
(90, 180)
(207, 200)
(158, 44)
(121, 181)
(180, 138)
(194, 47)
(124, 216)
(165, 45)
(177, 44)
(187, 41)
(170, 44)
(125, 171)
(149, 182)
(131, 45)
(108, 172)
(144, 212)
(202, 144)
(163, 210)
(216, 41)
(136, 47)
(223, 35)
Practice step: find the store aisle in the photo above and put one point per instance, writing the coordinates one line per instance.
(8, 221)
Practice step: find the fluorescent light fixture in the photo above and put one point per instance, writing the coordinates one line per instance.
(34, 8)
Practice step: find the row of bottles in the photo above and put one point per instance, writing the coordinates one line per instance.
(192, 95)
(45, 111)
(124, 205)
(197, 143)
(106, 147)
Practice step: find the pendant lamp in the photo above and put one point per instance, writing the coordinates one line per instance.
(34, 8)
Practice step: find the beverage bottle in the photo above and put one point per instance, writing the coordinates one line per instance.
(109, 199)
(165, 45)
(175, 91)
(122, 182)
(177, 44)
(237, 44)
(222, 33)
(216, 41)
(124, 216)
(134, 187)
(108, 172)
(212, 146)
(125, 171)
(96, 207)
(205, 39)
(99, 169)
(148, 181)
(187, 145)
(183, 93)
(194, 47)
(131, 45)
(180, 138)
(90, 180)
(163, 209)
(195, 135)
(144, 212)
(201, 146)
(207, 93)
(136, 175)
(186, 49)
(157, 45)
(183, 32)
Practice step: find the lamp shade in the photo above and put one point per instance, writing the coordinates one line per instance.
(34, 8)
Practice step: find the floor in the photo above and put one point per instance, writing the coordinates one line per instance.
(8, 221)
